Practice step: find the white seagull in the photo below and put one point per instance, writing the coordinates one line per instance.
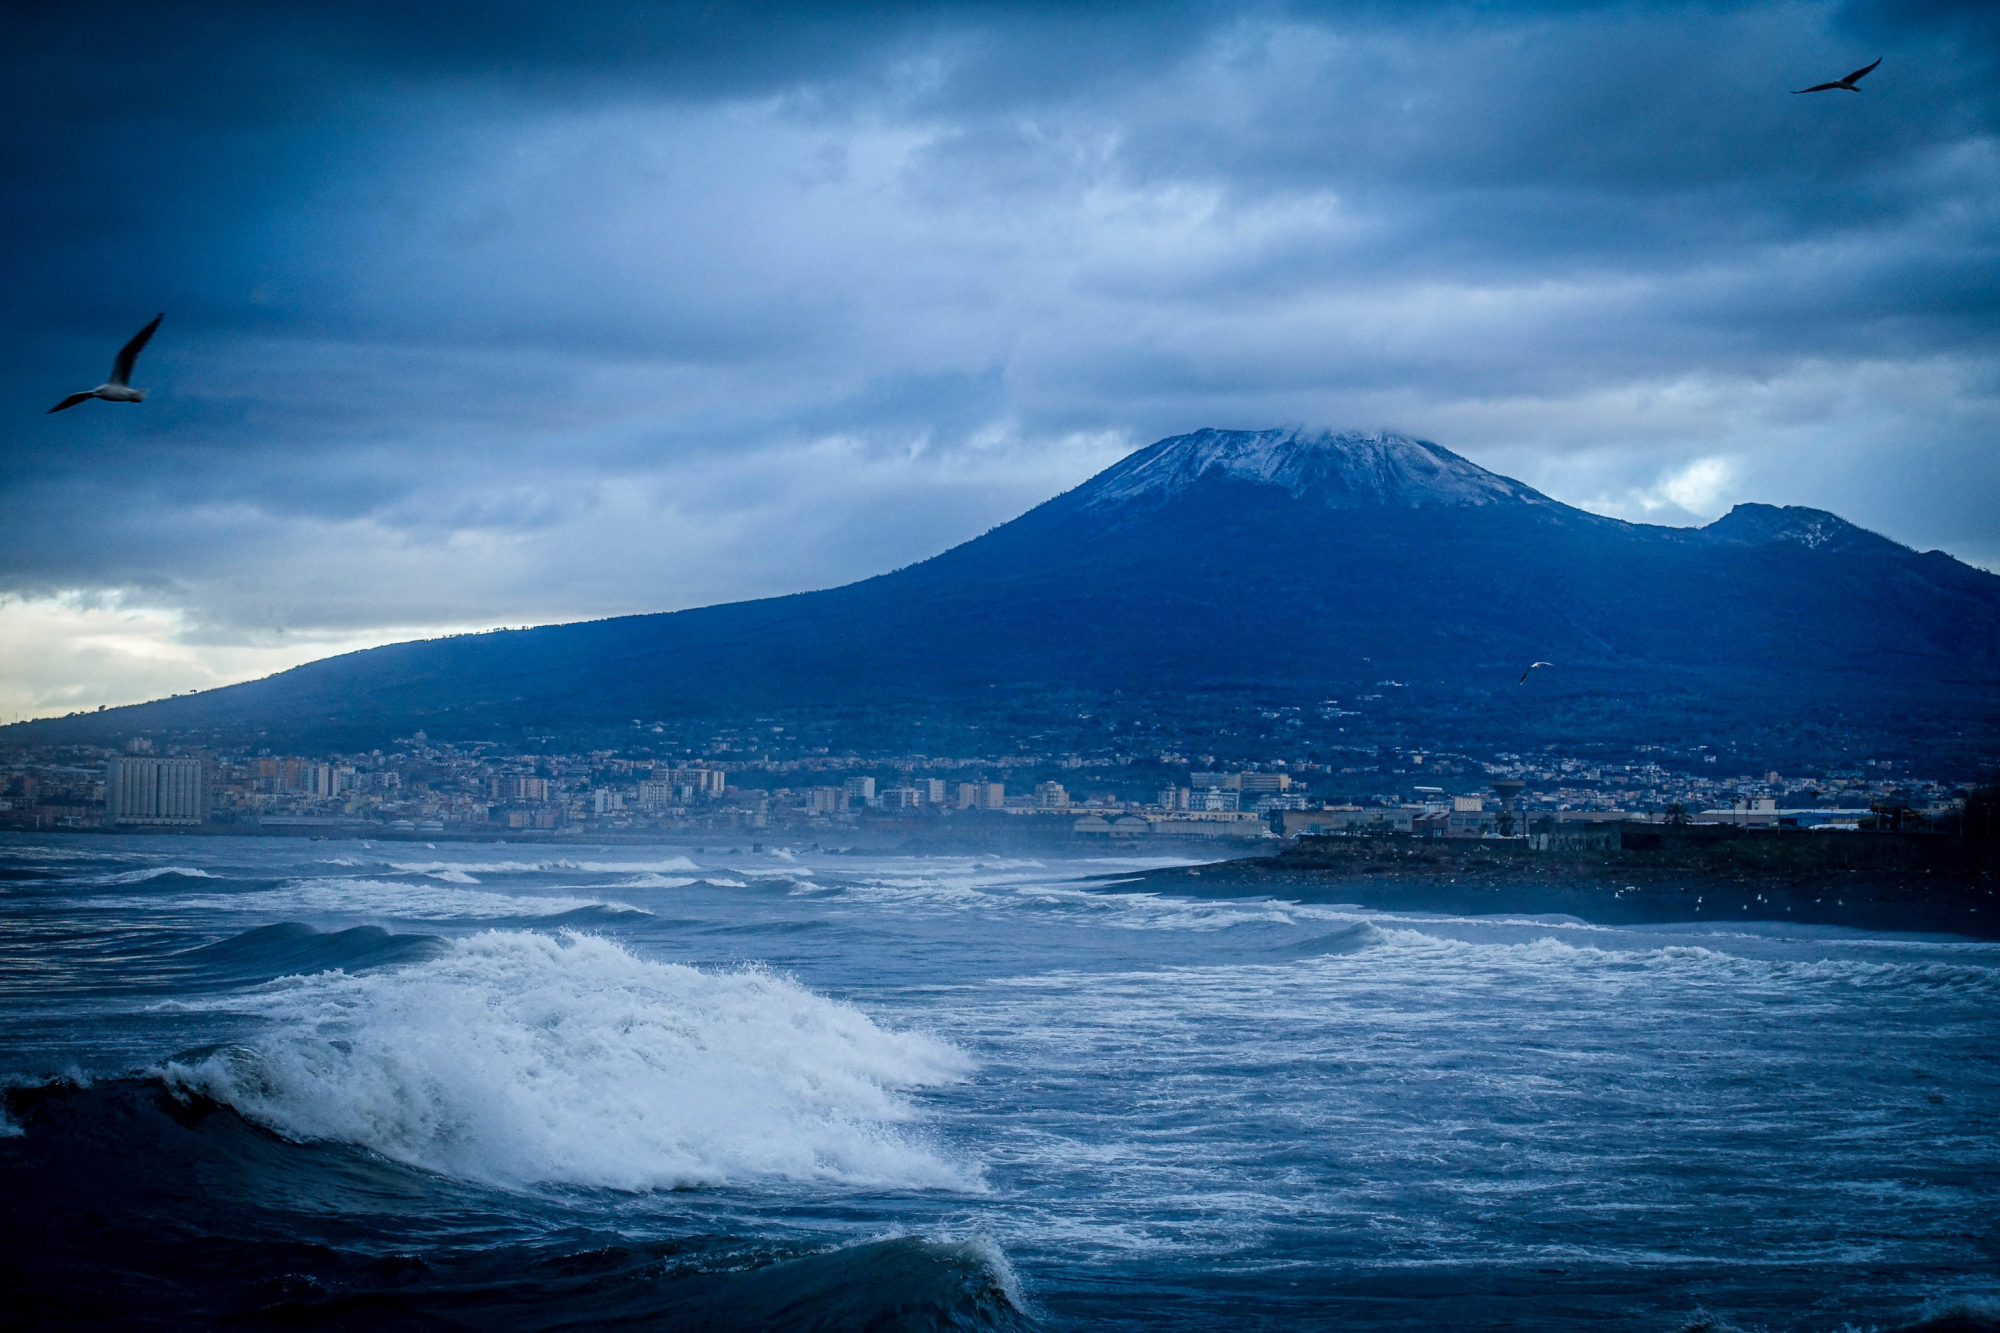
(118, 389)
(1530, 670)
(1846, 83)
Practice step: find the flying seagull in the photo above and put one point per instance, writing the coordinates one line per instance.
(1531, 667)
(118, 389)
(1846, 83)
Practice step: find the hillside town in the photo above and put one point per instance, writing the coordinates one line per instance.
(420, 788)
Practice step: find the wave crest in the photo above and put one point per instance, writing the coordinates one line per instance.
(155, 872)
(522, 1058)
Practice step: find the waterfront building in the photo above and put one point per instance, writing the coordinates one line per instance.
(1346, 819)
(155, 791)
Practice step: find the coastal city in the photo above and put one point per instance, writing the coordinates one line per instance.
(421, 788)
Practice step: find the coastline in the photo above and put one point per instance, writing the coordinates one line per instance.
(1905, 885)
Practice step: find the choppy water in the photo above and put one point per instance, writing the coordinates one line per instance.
(339, 1085)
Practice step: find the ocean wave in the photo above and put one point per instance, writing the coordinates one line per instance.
(387, 898)
(1964, 1314)
(521, 1058)
(156, 872)
(654, 881)
(222, 1224)
(1957, 1314)
(1348, 939)
(1700, 964)
(292, 947)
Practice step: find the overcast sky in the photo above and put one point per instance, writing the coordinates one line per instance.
(517, 312)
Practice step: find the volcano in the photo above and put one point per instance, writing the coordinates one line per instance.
(1279, 564)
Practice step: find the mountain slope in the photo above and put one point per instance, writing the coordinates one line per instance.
(1280, 562)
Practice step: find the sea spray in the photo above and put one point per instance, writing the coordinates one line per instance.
(521, 1058)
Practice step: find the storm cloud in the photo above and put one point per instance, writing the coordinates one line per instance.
(511, 313)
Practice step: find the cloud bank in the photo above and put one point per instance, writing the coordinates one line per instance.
(518, 315)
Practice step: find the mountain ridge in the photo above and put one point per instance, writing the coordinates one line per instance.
(1241, 564)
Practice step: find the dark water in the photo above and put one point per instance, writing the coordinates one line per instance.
(258, 1083)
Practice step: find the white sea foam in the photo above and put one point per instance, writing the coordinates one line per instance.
(521, 1058)
(656, 882)
(377, 898)
(1675, 965)
(140, 876)
(996, 890)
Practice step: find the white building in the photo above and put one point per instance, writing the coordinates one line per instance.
(155, 791)
(982, 796)
(705, 781)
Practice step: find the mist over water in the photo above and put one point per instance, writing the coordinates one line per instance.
(516, 1089)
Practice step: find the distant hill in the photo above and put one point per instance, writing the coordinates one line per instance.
(1279, 565)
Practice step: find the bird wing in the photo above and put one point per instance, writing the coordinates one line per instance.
(72, 401)
(1816, 88)
(121, 369)
(1863, 70)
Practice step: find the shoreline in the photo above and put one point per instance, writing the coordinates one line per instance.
(1899, 885)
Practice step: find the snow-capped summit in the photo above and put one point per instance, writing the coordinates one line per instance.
(1345, 470)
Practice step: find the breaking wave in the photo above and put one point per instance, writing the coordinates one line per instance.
(520, 1058)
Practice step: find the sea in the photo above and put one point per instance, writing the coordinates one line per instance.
(260, 1083)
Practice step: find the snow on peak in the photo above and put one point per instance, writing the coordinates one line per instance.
(1346, 470)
